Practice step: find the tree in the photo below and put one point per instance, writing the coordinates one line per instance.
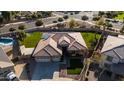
(21, 27)
(21, 35)
(100, 22)
(6, 16)
(45, 13)
(65, 17)
(109, 25)
(84, 18)
(28, 17)
(1, 20)
(39, 15)
(60, 19)
(39, 23)
(72, 23)
(111, 14)
(34, 16)
(101, 13)
(18, 36)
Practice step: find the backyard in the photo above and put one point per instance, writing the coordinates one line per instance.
(31, 40)
(75, 67)
(90, 39)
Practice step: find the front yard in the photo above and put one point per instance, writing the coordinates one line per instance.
(75, 67)
(90, 39)
(32, 39)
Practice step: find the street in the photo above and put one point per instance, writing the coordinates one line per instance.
(49, 20)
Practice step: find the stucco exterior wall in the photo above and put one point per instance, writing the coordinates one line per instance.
(48, 59)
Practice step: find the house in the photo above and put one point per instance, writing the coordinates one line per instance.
(113, 54)
(58, 46)
(5, 64)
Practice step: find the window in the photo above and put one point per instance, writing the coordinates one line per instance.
(109, 58)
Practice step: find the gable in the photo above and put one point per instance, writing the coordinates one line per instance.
(51, 51)
(42, 53)
(73, 48)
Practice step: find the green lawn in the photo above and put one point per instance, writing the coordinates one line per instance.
(120, 16)
(90, 39)
(31, 40)
(75, 67)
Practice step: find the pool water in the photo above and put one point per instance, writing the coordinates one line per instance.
(6, 41)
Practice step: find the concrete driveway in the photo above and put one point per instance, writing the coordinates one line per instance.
(46, 71)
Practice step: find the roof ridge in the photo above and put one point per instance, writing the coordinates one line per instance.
(72, 43)
(49, 44)
(79, 43)
(117, 54)
(47, 51)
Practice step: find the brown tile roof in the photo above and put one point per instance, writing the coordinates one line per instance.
(64, 41)
(49, 46)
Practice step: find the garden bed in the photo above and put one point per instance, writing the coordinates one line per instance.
(75, 67)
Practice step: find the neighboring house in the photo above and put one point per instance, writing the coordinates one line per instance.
(8, 51)
(5, 64)
(113, 54)
(55, 47)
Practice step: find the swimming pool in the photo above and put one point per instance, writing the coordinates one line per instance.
(4, 41)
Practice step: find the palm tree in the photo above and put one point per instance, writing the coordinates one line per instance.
(17, 36)
(102, 23)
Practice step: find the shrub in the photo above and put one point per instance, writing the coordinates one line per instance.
(21, 27)
(84, 18)
(77, 12)
(60, 19)
(110, 25)
(65, 17)
(60, 25)
(39, 23)
(96, 18)
(101, 13)
(12, 29)
(54, 21)
(71, 13)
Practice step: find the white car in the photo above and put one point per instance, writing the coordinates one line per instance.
(10, 76)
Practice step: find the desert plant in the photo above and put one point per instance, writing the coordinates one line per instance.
(39, 23)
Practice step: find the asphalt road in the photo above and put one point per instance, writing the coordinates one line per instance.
(90, 14)
(28, 24)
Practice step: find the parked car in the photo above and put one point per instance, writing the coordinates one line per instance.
(12, 77)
